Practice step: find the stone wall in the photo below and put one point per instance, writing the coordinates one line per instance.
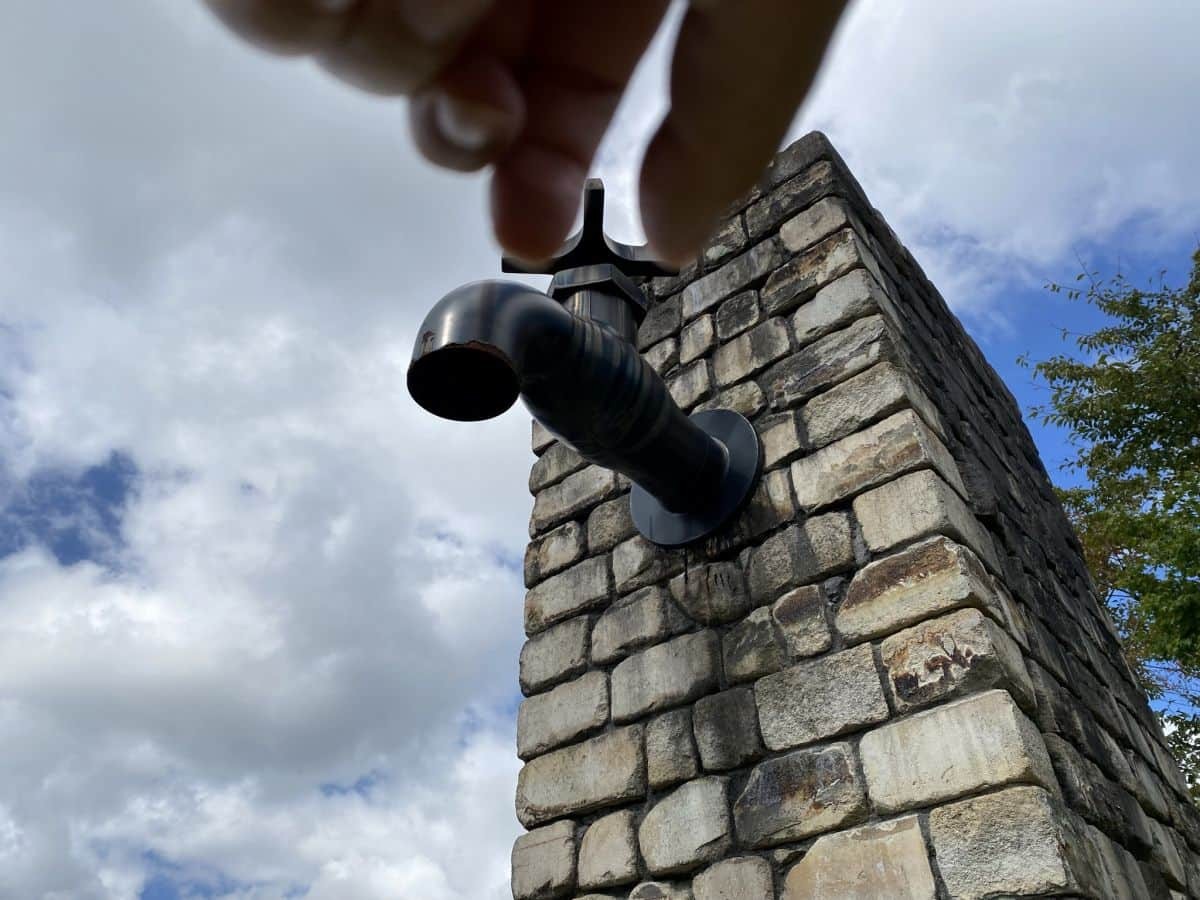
(891, 676)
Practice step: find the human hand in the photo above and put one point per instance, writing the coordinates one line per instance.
(530, 86)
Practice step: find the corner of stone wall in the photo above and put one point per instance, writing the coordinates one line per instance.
(891, 677)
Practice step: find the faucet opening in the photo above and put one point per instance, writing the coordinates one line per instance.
(464, 382)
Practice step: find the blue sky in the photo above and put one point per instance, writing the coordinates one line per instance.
(259, 615)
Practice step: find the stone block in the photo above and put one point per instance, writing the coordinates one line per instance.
(802, 553)
(729, 239)
(603, 771)
(827, 362)
(924, 580)
(691, 385)
(915, 505)
(870, 862)
(958, 654)
(581, 587)
(541, 438)
(662, 320)
(561, 715)
(879, 391)
(737, 314)
(735, 275)
(794, 195)
(1011, 843)
(800, 617)
(687, 828)
(661, 890)
(665, 675)
(555, 464)
(780, 439)
(745, 397)
(740, 878)
(726, 726)
(543, 863)
(712, 593)
(663, 356)
(555, 551)
(837, 305)
(812, 225)
(558, 653)
(751, 352)
(571, 496)
(609, 524)
(637, 620)
(637, 563)
(800, 794)
(798, 280)
(752, 648)
(820, 698)
(967, 745)
(608, 852)
(898, 444)
(697, 339)
(670, 751)
(769, 507)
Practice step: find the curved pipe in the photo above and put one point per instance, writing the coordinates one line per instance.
(487, 343)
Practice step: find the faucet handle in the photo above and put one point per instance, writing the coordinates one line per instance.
(590, 246)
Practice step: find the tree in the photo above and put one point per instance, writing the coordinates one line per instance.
(1131, 403)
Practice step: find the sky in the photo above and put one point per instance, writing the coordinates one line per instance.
(259, 614)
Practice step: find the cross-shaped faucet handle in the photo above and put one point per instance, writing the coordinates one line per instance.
(590, 246)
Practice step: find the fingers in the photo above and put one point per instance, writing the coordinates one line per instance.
(739, 73)
(580, 57)
(381, 46)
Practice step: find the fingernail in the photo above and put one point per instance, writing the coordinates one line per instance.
(467, 126)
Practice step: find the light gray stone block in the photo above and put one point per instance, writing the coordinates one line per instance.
(599, 772)
(827, 362)
(562, 715)
(571, 496)
(802, 553)
(556, 654)
(740, 878)
(661, 890)
(608, 852)
(637, 620)
(609, 524)
(737, 314)
(543, 863)
(556, 463)
(697, 339)
(814, 224)
(729, 239)
(735, 275)
(888, 859)
(1011, 843)
(796, 281)
(751, 352)
(898, 444)
(800, 794)
(957, 654)
(691, 384)
(637, 563)
(541, 438)
(712, 593)
(726, 726)
(836, 305)
(800, 617)
(663, 356)
(753, 648)
(878, 392)
(581, 587)
(820, 698)
(687, 828)
(745, 397)
(670, 751)
(915, 505)
(662, 320)
(967, 745)
(552, 553)
(935, 576)
(780, 439)
(665, 675)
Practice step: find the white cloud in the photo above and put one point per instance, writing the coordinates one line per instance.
(215, 262)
